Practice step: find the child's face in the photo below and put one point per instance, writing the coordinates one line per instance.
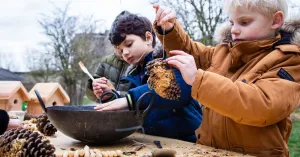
(250, 25)
(133, 48)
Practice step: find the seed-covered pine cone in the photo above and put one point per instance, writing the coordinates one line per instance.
(44, 125)
(162, 79)
(25, 143)
(29, 116)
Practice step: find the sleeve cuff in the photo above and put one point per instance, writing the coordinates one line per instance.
(160, 29)
(108, 100)
(129, 102)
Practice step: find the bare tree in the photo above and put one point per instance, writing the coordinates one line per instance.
(70, 40)
(41, 66)
(7, 61)
(294, 9)
(199, 18)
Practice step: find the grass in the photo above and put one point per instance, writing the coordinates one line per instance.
(297, 111)
(294, 142)
(87, 101)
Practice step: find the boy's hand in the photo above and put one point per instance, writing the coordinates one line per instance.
(100, 86)
(165, 17)
(185, 63)
(118, 104)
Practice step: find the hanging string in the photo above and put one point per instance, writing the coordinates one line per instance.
(163, 41)
(142, 55)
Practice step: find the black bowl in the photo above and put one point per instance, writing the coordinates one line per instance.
(87, 125)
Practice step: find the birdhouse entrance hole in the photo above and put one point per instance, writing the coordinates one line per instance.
(54, 103)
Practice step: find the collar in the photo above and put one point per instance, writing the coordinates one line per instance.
(244, 51)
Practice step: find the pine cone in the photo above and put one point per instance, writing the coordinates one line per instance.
(162, 79)
(44, 125)
(29, 116)
(25, 143)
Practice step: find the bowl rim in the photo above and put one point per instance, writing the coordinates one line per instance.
(61, 108)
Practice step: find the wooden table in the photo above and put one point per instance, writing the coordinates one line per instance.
(63, 143)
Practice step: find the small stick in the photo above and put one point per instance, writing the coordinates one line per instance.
(84, 69)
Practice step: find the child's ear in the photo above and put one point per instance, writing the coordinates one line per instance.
(149, 36)
(278, 20)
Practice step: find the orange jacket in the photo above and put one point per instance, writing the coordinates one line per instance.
(249, 90)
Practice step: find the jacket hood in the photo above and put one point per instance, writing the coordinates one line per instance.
(291, 27)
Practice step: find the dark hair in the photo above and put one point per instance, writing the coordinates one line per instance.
(4, 120)
(124, 12)
(130, 24)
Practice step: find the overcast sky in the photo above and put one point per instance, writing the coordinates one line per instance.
(20, 31)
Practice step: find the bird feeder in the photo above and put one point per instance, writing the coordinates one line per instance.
(52, 94)
(12, 95)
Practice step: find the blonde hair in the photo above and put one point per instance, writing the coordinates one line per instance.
(266, 7)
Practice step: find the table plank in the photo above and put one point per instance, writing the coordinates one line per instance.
(63, 143)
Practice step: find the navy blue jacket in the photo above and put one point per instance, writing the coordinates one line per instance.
(4, 119)
(169, 118)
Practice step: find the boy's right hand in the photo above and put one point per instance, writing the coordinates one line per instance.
(165, 17)
(100, 86)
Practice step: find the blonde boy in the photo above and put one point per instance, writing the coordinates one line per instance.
(249, 83)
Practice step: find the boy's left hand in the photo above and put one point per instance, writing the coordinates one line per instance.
(117, 104)
(185, 63)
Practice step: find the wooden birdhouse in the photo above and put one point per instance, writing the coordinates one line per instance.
(52, 94)
(12, 95)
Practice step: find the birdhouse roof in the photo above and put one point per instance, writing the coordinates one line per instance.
(47, 90)
(9, 88)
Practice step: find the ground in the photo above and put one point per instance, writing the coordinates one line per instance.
(294, 142)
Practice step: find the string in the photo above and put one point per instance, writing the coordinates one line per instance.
(122, 8)
(142, 55)
(163, 41)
